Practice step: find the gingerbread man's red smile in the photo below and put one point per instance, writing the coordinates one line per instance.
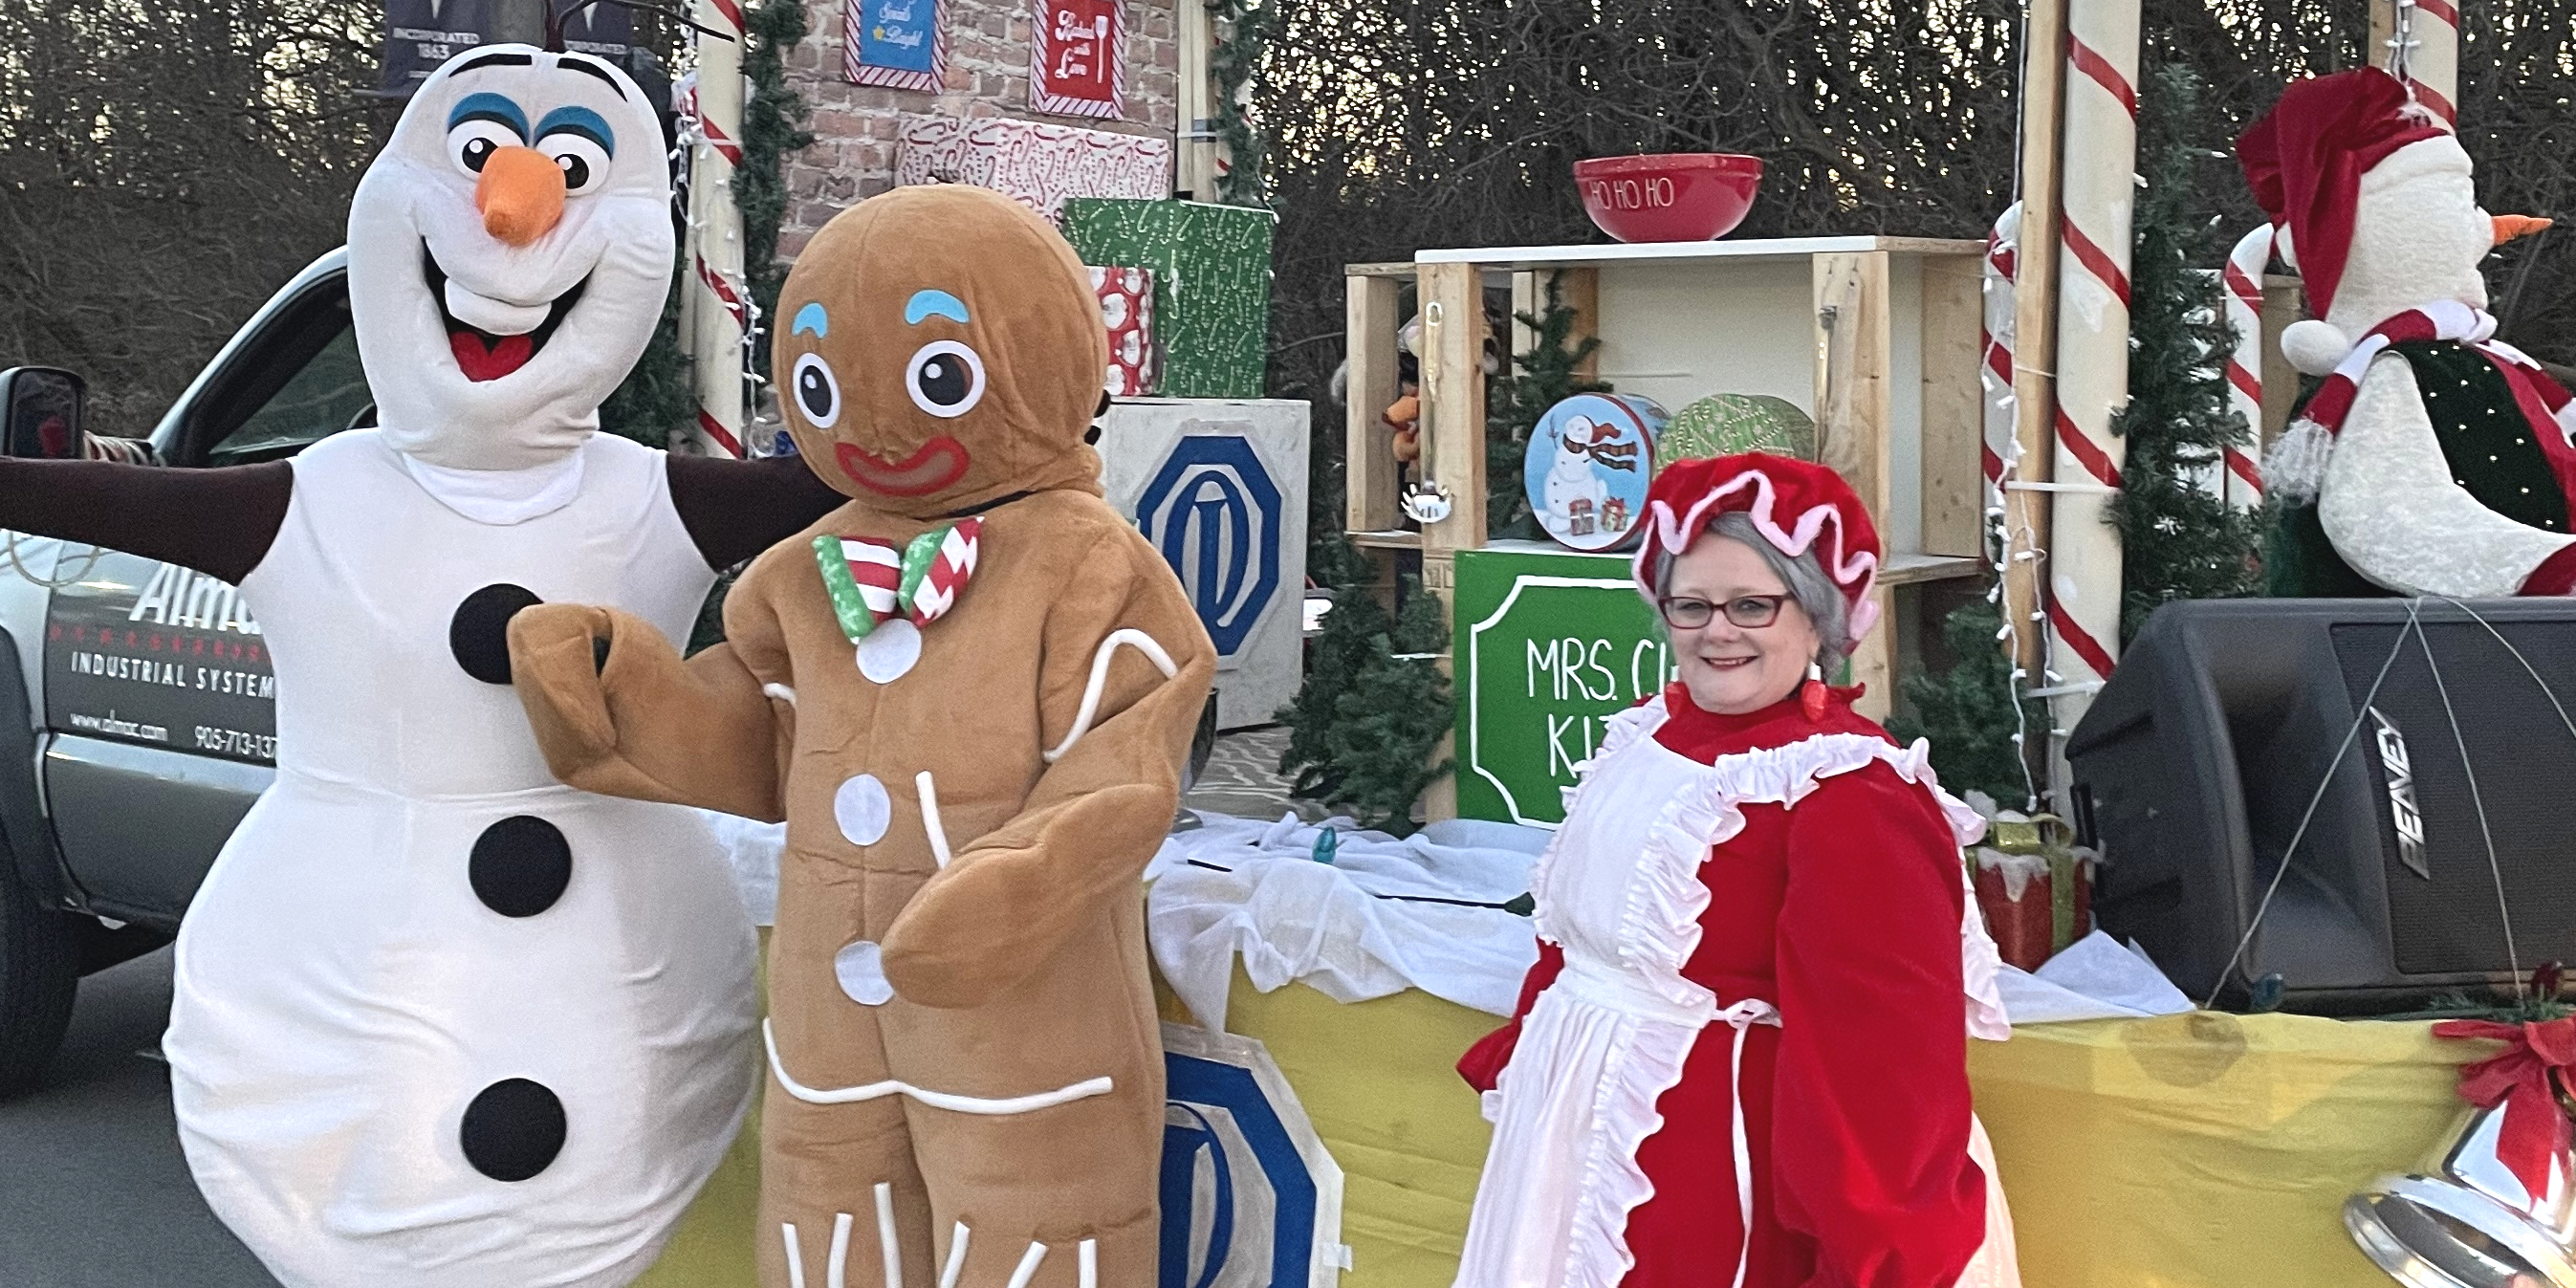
(938, 463)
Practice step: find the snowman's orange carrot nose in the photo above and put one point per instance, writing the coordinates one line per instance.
(521, 194)
(2508, 227)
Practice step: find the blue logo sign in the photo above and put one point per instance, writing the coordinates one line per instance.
(1214, 514)
(1239, 1203)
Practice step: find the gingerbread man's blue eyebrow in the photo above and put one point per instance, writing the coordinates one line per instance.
(811, 319)
(924, 304)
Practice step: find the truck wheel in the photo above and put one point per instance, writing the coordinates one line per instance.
(40, 958)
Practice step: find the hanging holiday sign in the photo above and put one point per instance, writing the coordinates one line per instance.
(1077, 58)
(896, 43)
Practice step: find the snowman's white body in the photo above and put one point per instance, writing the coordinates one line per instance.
(343, 993)
(1571, 478)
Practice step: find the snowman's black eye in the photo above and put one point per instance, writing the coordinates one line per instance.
(818, 394)
(945, 378)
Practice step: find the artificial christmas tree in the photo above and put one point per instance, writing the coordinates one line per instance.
(2179, 539)
(1515, 400)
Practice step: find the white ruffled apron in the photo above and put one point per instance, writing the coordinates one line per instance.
(1619, 892)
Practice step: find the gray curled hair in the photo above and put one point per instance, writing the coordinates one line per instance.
(1803, 575)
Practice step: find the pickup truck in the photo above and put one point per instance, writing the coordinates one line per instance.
(139, 721)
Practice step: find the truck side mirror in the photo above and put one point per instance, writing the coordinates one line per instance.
(40, 414)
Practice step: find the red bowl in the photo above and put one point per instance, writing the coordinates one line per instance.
(1669, 196)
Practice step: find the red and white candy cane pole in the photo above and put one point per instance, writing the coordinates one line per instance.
(1995, 349)
(717, 307)
(2242, 283)
(2418, 42)
(2002, 454)
(2099, 190)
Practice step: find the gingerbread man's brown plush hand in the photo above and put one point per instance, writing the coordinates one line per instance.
(618, 712)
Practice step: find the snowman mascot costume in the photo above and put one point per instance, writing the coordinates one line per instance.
(2434, 459)
(440, 1021)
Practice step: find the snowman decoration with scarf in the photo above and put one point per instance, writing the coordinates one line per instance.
(2434, 459)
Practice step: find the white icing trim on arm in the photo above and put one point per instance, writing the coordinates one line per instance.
(1136, 639)
(929, 792)
(780, 692)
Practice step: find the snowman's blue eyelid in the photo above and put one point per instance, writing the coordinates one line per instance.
(810, 319)
(488, 106)
(582, 121)
(926, 304)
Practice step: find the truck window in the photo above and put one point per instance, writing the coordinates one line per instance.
(324, 396)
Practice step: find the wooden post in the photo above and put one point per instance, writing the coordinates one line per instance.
(1368, 479)
(1201, 156)
(1453, 449)
(1953, 487)
(1453, 412)
(2043, 80)
(1853, 346)
(2285, 300)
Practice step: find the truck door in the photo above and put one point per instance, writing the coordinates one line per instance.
(160, 704)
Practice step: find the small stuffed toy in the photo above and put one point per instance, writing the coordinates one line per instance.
(2434, 459)
(970, 692)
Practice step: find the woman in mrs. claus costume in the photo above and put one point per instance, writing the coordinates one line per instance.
(1759, 966)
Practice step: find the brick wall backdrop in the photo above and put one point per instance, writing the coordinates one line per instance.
(988, 75)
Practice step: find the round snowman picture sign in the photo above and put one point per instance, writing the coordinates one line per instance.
(1589, 461)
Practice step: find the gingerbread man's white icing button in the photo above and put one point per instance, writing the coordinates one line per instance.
(889, 651)
(862, 809)
(859, 966)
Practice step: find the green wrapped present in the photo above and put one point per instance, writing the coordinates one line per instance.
(1211, 267)
(1727, 424)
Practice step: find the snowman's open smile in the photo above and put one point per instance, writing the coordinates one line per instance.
(491, 338)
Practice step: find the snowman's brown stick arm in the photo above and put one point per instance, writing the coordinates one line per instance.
(218, 521)
(736, 509)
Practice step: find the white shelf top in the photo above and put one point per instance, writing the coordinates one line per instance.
(1525, 257)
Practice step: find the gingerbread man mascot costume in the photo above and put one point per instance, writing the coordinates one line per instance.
(969, 692)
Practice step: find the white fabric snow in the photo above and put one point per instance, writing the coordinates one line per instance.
(2094, 978)
(1326, 924)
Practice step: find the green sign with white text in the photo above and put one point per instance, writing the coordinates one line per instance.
(1549, 644)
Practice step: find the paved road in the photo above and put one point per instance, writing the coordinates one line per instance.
(93, 1190)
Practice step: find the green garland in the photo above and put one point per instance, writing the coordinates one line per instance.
(1243, 31)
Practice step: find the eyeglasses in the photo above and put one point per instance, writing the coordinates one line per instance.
(1746, 612)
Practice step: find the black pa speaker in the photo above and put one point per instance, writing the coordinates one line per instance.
(2194, 766)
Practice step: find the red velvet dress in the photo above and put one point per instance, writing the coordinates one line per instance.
(1840, 901)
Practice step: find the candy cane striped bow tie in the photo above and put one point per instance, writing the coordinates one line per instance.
(873, 581)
